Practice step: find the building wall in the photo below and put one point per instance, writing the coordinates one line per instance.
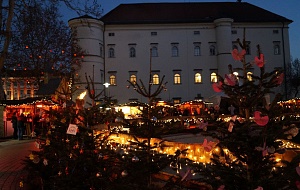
(221, 36)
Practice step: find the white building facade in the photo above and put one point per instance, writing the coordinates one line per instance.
(188, 43)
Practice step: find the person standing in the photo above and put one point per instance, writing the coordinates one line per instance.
(14, 121)
(20, 125)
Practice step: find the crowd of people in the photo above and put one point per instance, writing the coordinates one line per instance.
(25, 125)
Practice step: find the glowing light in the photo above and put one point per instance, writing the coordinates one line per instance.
(82, 95)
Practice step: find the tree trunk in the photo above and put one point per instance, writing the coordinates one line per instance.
(6, 32)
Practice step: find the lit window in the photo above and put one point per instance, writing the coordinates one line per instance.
(213, 77)
(154, 52)
(177, 79)
(197, 51)
(249, 76)
(133, 79)
(176, 101)
(212, 50)
(155, 79)
(198, 78)
(132, 52)
(112, 80)
(236, 75)
(174, 51)
(111, 52)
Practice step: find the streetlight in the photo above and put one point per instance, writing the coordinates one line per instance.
(106, 86)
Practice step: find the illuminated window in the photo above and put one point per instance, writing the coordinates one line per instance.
(177, 79)
(198, 78)
(176, 101)
(112, 80)
(249, 76)
(236, 74)
(133, 79)
(213, 77)
(155, 79)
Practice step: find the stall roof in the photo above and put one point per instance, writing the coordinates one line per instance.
(23, 101)
(50, 87)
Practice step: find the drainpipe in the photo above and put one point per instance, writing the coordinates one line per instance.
(284, 61)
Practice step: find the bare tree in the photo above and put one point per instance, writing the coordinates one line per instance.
(8, 7)
(41, 42)
(293, 78)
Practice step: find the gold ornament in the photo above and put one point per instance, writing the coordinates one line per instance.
(21, 184)
(63, 120)
(47, 142)
(31, 156)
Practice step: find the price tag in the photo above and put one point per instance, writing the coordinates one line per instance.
(72, 129)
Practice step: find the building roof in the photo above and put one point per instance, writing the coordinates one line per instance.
(46, 89)
(203, 12)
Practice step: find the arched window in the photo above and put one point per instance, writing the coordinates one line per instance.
(154, 52)
(133, 79)
(197, 51)
(155, 79)
(212, 50)
(112, 80)
(177, 79)
(213, 77)
(198, 78)
(111, 52)
(132, 52)
(276, 50)
(174, 51)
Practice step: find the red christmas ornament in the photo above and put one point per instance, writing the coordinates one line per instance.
(207, 145)
(217, 86)
(238, 56)
(260, 61)
(261, 121)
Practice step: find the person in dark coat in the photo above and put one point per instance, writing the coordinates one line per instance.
(20, 125)
(14, 121)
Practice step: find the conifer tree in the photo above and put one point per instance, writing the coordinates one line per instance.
(248, 146)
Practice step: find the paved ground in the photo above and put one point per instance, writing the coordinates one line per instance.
(12, 153)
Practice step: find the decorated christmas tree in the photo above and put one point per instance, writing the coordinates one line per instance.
(73, 155)
(253, 149)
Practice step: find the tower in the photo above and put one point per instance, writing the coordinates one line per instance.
(89, 33)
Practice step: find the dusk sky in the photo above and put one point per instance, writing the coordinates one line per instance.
(286, 8)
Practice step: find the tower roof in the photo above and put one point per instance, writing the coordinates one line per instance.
(205, 12)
